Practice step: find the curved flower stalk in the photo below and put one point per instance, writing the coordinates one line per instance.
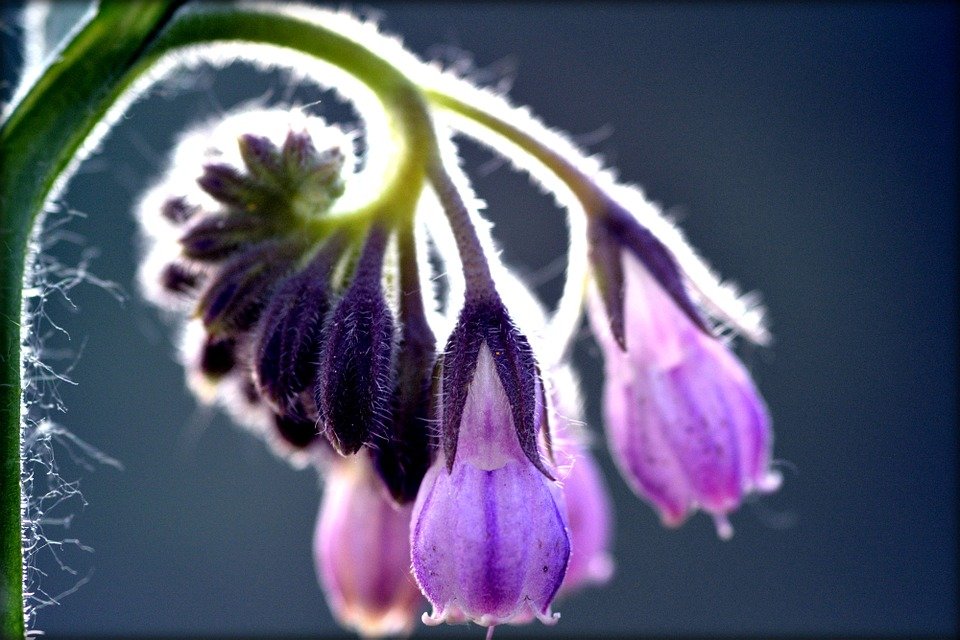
(299, 280)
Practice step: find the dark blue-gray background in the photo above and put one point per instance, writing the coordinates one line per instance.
(810, 153)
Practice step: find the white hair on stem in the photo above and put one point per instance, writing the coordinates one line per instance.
(721, 300)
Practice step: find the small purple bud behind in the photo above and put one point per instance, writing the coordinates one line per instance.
(685, 423)
(489, 538)
(362, 552)
(289, 334)
(177, 210)
(355, 382)
(589, 512)
(180, 280)
(235, 296)
(217, 237)
(218, 356)
(296, 428)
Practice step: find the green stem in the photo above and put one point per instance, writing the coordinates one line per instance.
(533, 139)
(583, 188)
(44, 137)
(38, 142)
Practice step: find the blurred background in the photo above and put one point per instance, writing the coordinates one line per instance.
(809, 152)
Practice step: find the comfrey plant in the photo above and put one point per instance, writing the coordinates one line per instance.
(446, 429)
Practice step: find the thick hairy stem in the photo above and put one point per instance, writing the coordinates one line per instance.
(38, 143)
(562, 166)
(55, 124)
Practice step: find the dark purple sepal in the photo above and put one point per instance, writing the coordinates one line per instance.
(177, 211)
(235, 297)
(607, 265)
(218, 357)
(634, 237)
(404, 459)
(355, 381)
(289, 334)
(487, 320)
(262, 159)
(216, 237)
(229, 186)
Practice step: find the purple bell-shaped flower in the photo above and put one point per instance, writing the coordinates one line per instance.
(489, 538)
(362, 551)
(684, 421)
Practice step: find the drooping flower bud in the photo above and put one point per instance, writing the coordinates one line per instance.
(355, 382)
(290, 332)
(236, 295)
(403, 458)
(684, 421)
(489, 538)
(362, 552)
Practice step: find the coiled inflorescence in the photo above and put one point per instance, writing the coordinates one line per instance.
(459, 475)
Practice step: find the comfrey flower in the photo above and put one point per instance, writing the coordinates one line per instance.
(362, 551)
(684, 420)
(489, 539)
(463, 478)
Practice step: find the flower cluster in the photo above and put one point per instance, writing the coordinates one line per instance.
(457, 477)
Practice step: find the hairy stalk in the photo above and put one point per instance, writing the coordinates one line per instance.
(561, 166)
(476, 271)
(38, 143)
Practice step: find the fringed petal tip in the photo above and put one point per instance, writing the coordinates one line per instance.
(525, 613)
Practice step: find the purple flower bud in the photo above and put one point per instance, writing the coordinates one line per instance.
(362, 552)
(355, 382)
(404, 458)
(290, 330)
(180, 280)
(177, 211)
(218, 356)
(217, 237)
(685, 423)
(489, 539)
(233, 300)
